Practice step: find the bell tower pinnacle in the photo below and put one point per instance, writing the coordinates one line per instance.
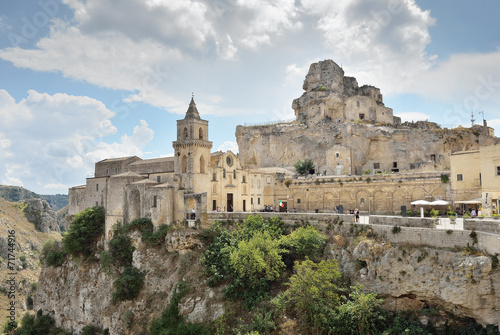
(192, 149)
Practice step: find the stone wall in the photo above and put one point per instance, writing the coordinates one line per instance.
(489, 226)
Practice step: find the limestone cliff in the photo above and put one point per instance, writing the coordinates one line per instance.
(412, 277)
(408, 277)
(39, 213)
(356, 147)
(80, 294)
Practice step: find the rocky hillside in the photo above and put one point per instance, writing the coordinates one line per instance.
(22, 256)
(16, 193)
(445, 282)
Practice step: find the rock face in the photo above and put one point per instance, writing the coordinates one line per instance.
(352, 148)
(77, 295)
(330, 95)
(347, 129)
(41, 215)
(412, 277)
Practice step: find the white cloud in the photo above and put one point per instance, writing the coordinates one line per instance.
(228, 145)
(56, 139)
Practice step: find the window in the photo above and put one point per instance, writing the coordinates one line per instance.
(224, 173)
(362, 201)
(480, 181)
(200, 134)
(376, 166)
(395, 164)
(214, 177)
(116, 170)
(298, 201)
(357, 103)
(337, 154)
(97, 187)
(158, 179)
(498, 170)
(244, 179)
(107, 172)
(229, 161)
(251, 201)
(258, 201)
(155, 200)
(433, 158)
(234, 174)
(186, 133)
(460, 177)
(361, 116)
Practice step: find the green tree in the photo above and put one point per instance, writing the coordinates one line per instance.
(303, 166)
(128, 286)
(259, 257)
(360, 315)
(84, 231)
(314, 290)
(304, 242)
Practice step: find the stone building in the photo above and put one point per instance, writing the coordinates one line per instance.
(168, 189)
(475, 178)
(364, 158)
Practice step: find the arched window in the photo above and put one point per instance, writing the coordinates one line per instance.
(184, 164)
(186, 133)
(200, 135)
(202, 164)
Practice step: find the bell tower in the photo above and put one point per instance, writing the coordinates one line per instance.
(192, 151)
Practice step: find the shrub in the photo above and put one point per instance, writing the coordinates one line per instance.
(84, 231)
(128, 286)
(91, 330)
(259, 257)
(156, 238)
(396, 229)
(105, 260)
(304, 242)
(303, 167)
(434, 213)
(52, 254)
(140, 224)
(121, 249)
(41, 324)
(445, 179)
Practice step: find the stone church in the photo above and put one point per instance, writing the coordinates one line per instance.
(364, 158)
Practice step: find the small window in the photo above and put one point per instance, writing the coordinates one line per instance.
(155, 200)
(251, 201)
(158, 179)
(116, 170)
(337, 155)
(498, 170)
(258, 201)
(97, 187)
(244, 179)
(107, 172)
(362, 201)
(460, 177)
(433, 158)
(214, 177)
(234, 174)
(395, 165)
(362, 116)
(376, 166)
(298, 201)
(481, 181)
(224, 173)
(357, 103)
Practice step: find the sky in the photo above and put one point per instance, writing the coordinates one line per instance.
(86, 80)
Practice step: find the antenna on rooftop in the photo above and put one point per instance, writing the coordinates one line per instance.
(472, 117)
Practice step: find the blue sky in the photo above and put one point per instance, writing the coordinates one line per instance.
(85, 80)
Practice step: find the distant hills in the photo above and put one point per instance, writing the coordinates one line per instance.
(16, 193)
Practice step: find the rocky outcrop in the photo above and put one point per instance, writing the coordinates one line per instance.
(39, 213)
(77, 295)
(412, 277)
